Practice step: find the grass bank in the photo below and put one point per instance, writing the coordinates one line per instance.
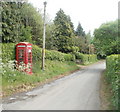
(14, 81)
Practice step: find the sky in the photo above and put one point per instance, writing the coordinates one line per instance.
(90, 13)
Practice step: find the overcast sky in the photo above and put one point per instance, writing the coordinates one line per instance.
(90, 13)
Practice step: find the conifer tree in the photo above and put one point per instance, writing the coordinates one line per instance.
(80, 31)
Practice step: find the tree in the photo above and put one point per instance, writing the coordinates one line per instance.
(11, 24)
(21, 22)
(80, 42)
(49, 39)
(79, 31)
(106, 39)
(64, 30)
(89, 41)
(63, 24)
(33, 18)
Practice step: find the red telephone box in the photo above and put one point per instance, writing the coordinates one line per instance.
(24, 56)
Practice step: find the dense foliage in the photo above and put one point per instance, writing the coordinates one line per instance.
(107, 40)
(113, 77)
(11, 22)
(85, 58)
(8, 52)
(63, 24)
(21, 22)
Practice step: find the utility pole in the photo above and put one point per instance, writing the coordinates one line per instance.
(44, 30)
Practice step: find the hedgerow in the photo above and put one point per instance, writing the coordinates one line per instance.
(51, 55)
(8, 53)
(113, 76)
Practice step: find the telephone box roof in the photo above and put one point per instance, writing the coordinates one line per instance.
(24, 43)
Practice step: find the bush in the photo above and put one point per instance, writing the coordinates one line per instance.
(112, 74)
(69, 57)
(92, 58)
(85, 58)
(8, 52)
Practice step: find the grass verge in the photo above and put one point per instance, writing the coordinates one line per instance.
(15, 81)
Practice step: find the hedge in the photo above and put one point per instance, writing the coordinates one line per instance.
(85, 58)
(8, 53)
(51, 55)
(113, 76)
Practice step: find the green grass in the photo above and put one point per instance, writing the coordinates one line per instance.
(13, 81)
(54, 67)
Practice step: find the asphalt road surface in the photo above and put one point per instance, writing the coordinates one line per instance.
(78, 91)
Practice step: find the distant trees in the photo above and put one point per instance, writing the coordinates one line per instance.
(65, 38)
(107, 40)
(79, 31)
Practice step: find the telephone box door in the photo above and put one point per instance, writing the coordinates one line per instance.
(21, 54)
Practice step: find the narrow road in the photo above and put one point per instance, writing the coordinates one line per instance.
(78, 91)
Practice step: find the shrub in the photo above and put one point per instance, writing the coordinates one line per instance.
(69, 57)
(92, 58)
(112, 74)
(79, 55)
(8, 52)
(85, 58)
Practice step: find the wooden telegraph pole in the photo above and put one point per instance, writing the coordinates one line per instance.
(44, 30)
